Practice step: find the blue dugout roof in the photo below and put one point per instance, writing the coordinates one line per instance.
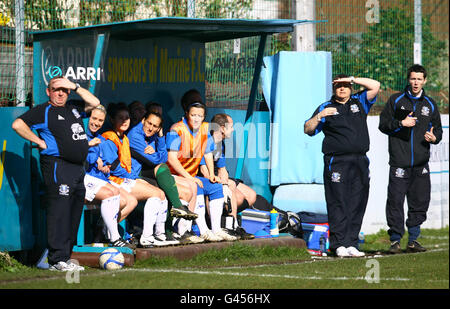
(202, 30)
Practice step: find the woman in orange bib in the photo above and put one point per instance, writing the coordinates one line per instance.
(117, 154)
(187, 142)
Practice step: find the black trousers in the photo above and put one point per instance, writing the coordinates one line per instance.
(346, 183)
(413, 183)
(65, 192)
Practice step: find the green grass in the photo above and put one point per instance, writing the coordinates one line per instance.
(243, 267)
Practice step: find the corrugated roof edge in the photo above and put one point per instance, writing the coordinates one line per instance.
(206, 21)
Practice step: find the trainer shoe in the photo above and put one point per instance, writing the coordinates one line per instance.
(342, 252)
(183, 212)
(190, 238)
(242, 234)
(122, 243)
(163, 240)
(225, 236)
(75, 265)
(414, 246)
(62, 266)
(147, 242)
(352, 251)
(210, 236)
(395, 248)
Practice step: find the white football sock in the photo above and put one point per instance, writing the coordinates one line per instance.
(151, 208)
(215, 211)
(109, 209)
(160, 227)
(200, 210)
(184, 226)
(184, 203)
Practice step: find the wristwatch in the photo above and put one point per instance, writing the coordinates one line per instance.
(318, 118)
(77, 85)
(352, 79)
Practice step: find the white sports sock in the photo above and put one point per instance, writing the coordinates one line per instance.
(200, 210)
(184, 226)
(215, 211)
(151, 209)
(109, 209)
(184, 203)
(235, 223)
(160, 226)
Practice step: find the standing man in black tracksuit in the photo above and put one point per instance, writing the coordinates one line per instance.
(63, 149)
(343, 120)
(412, 121)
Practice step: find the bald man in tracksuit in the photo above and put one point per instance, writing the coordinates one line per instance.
(63, 146)
(343, 120)
(409, 152)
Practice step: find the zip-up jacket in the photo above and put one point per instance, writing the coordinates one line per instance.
(407, 146)
(94, 153)
(346, 132)
(139, 141)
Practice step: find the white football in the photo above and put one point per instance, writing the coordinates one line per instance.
(111, 259)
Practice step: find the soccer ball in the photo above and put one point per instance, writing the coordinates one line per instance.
(111, 259)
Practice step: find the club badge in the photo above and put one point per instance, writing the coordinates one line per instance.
(400, 173)
(76, 113)
(336, 177)
(64, 190)
(425, 111)
(354, 108)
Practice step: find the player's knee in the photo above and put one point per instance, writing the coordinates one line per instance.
(185, 193)
(161, 195)
(251, 197)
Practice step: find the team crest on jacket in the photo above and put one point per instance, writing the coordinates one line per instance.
(399, 173)
(425, 111)
(336, 177)
(76, 113)
(354, 108)
(64, 190)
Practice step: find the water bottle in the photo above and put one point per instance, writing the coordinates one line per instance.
(360, 239)
(274, 232)
(323, 245)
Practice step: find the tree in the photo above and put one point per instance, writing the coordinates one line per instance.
(385, 51)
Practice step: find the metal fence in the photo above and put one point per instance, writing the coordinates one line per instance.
(370, 38)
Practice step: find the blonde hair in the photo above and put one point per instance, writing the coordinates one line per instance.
(100, 108)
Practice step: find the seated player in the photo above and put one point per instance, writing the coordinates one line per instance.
(241, 196)
(148, 147)
(123, 174)
(187, 143)
(116, 203)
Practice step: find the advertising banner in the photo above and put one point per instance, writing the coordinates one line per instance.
(147, 70)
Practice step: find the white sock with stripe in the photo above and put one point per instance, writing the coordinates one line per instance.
(151, 208)
(109, 209)
(160, 226)
(215, 211)
(200, 210)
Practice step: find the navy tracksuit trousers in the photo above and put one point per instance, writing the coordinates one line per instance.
(346, 183)
(64, 182)
(413, 183)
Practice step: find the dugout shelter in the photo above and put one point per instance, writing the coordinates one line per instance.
(155, 59)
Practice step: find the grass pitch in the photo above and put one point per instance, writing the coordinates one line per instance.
(247, 267)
